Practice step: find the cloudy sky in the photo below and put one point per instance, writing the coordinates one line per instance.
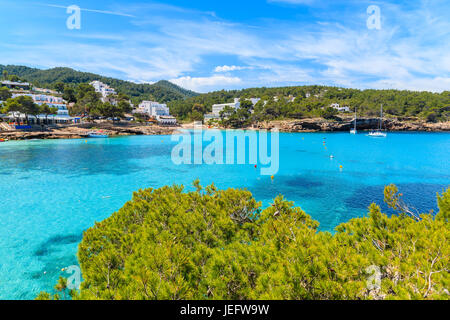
(213, 45)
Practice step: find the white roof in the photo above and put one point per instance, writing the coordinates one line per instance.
(16, 83)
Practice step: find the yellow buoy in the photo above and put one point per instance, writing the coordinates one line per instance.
(272, 177)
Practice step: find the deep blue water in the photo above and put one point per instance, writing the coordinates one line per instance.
(50, 191)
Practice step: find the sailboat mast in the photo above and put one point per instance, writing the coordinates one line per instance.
(355, 118)
(381, 118)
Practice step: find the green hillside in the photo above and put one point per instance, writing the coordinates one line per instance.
(312, 101)
(162, 91)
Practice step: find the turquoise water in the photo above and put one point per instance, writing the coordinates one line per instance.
(50, 191)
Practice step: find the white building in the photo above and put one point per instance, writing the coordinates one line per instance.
(104, 90)
(16, 85)
(159, 111)
(339, 108)
(153, 109)
(62, 115)
(51, 101)
(167, 120)
(218, 108)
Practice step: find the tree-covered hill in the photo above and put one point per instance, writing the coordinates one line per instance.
(312, 101)
(295, 102)
(162, 91)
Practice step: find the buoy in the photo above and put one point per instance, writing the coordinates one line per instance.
(341, 167)
(256, 167)
(272, 177)
(62, 269)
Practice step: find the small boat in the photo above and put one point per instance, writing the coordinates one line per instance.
(354, 131)
(95, 134)
(379, 133)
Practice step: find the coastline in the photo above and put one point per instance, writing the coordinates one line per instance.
(81, 131)
(345, 125)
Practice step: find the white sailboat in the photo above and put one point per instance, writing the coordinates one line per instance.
(379, 133)
(354, 131)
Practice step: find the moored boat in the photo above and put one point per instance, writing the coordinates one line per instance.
(97, 134)
(354, 131)
(379, 133)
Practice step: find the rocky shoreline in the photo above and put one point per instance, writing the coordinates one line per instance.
(304, 125)
(81, 131)
(345, 125)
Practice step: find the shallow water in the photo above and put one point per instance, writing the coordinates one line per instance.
(50, 191)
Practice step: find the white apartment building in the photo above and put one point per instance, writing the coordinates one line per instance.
(104, 90)
(62, 115)
(159, 111)
(218, 108)
(153, 109)
(51, 101)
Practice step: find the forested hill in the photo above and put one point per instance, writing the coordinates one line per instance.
(162, 91)
(276, 103)
(312, 101)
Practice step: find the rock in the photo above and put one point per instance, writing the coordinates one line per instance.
(341, 125)
(82, 130)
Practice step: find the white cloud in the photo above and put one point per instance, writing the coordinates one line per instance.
(411, 49)
(202, 84)
(229, 68)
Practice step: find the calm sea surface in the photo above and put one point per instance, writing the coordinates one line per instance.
(50, 191)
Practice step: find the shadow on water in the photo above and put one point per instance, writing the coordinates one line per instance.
(421, 196)
(54, 260)
(296, 187)
(50, 245)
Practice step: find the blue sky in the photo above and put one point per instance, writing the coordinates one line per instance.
(213, 45)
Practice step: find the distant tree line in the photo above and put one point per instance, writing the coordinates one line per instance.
(276, 103)
(162, 91)
(315, 101)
